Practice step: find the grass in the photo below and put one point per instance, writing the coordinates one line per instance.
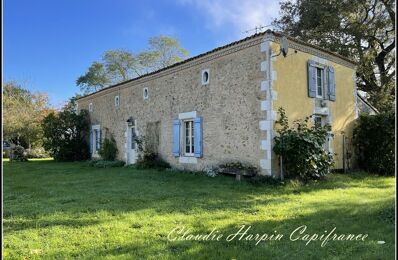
(31, 159)
(70, 210)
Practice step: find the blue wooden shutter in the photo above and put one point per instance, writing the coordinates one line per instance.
(311, 79)
(91, 141)
(198, 137)
(176, 137)
(331, 84)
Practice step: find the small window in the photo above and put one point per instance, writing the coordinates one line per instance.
(318, 121)
(117, 101)
(205, 77)
(145, 93)
(319, 82)
(189, 138)
(90, 107)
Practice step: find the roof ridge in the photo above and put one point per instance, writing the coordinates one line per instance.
(278, 34)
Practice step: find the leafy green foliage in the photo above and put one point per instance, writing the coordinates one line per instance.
(106, 163)
(301, 148)
(120, 65)
(65, 135)
(363, 30)
(23, 113)
(151, 161)
(374, 143)
(108, 149)
(95, 78)
(165, 51)
(18, 154)
(38, 152)
(147, 159)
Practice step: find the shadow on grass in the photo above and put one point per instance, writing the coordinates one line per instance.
(38, 189)
(365, 220)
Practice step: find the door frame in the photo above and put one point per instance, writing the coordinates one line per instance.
(94, 151)
(129, 159)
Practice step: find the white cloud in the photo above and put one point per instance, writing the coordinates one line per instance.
(236, 16)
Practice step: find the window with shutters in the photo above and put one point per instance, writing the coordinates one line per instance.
(189, 138)
(320, 82)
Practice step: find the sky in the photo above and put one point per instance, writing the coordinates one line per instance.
(48, 44)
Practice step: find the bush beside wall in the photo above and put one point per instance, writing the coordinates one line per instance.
(66, 135)
(374, 142)
(301, 147)
(108, 149)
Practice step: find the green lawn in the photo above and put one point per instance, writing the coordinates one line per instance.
(69, 210)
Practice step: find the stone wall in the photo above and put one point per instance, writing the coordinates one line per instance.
(249, 81)
(229, 105)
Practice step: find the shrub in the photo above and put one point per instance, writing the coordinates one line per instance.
(151, 161)
(105, 163)
(374, 143)
(18, 154)
(108, 149)
(38, 152)
(301, 148)
(210, 171)
(148, 159)
(66, 135)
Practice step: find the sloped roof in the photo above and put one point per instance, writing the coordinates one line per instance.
(370, 106)
(277, 34)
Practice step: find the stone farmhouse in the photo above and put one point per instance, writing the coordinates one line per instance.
(221, 106)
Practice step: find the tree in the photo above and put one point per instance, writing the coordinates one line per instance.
(363, 30)
(66, 135)
(121, 65)
(166, 51)
(23, 113)
(96, 78)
